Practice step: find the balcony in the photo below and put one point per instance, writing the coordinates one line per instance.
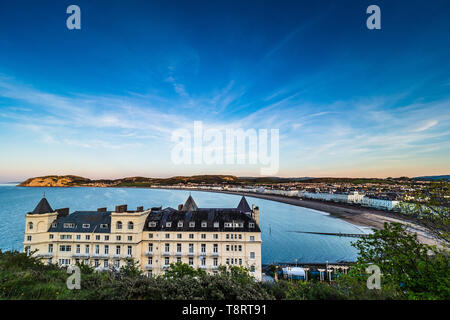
(148, 267)
(45, 255)
(116, 256)
(214, 254)
(81, 255)
(202, 254)
(166, 253)
(214, 267)
(99, 256)
(99, 268)
(165, 266)
(149, 254)
(203, 266)
(191, 254)
(178, 253)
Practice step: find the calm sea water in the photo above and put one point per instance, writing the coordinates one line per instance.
(277, 220)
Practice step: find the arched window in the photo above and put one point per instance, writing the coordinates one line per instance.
(130, 225)
(119, 225)
(30, 225)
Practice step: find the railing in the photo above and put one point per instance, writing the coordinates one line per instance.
(148, 266)
(45, 255)
(166, 253)
(149, 254)
(178, 253)
(80, 255)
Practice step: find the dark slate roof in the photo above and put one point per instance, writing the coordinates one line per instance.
(42, 207)
(189, 205)
(93, 218)
(243, 205)
(208, 215)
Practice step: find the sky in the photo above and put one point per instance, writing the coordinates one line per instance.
(104, 101)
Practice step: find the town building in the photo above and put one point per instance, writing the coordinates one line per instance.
(201, 237)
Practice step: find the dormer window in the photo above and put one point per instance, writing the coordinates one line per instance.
(168, 224)
(192, 224)
(251, 225)
(119, 225)
(69, 225)
(180, 224)
(152, 224)
(86, 225)
(204, 224)
(54, 225)
(228, 224)
(216, 224)
(103, 226)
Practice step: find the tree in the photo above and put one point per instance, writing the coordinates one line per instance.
(180, 270)
(419, 270)
(430, 206)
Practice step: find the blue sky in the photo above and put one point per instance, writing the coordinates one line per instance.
(103, 101)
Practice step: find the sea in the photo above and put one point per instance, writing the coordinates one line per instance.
(280, 223)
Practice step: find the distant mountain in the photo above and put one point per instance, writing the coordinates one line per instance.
(432, 178)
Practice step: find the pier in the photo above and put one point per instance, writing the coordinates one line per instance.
(338, 234)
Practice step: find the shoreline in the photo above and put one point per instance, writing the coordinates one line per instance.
(357, 215)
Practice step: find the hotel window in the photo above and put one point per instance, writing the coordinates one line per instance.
(191, 236)
(149, 273)
(252, 269)
(106, 238)
(179, 247)
(105, 263)
(96, 263)
(103, 226)
(28, 250)
(166, 261)
(180, 224)
(130, 225)
(117, 249)
(65, 237)
(240, 237)
(119, 225)
(191, 224)
(240, 261)
(150, 261)
(30, 225)
(28, 238)
(77, 249)
(152, 224)
(54, 225)
(118, 238)
(252, 255)
(86, 225)
(216, 224)
(51, 236)
(167, 235)
(65, 248)
(130, 250)
(150, 247)
(215, 236)
(203, 248)
(178, 259)
(78, 236)
(191, 248)
(179, 236)
(130, 238)
(251, 225)
(69, 225)
(203, 235)
(215, 262)
(204, 224)
(228, 261)
(86, 261)
(204, 262)
(97, 249)
(88, 237)
(50, 248)
(216, 248)
(240, 247)
(252, 238)
(228, 236)
(191, 261)
(167, 247)
(97, 237)
(228, 224)
(106, 249)
(228, 247)
(168, 224)
(117, 264)
(86, 249)
(150, 235)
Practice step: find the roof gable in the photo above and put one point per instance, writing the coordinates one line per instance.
(42, 207)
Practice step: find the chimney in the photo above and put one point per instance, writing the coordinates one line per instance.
(180, 207)
(101, 210)
(62, 212)
(255, 214)
(121, 208)
(140, 209)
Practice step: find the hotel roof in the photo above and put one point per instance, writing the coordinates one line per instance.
(42, 207)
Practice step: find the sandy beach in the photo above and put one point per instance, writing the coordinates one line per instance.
(359, 216)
